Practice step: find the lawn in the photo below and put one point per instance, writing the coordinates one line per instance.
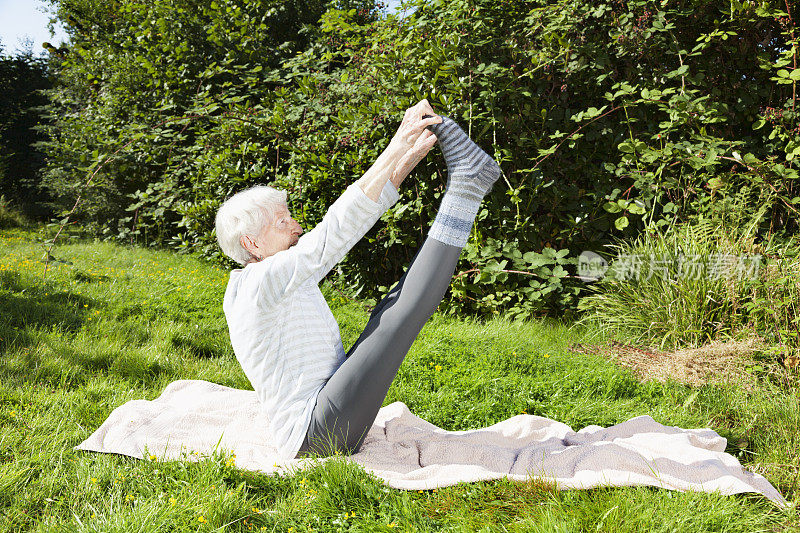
(108, 324)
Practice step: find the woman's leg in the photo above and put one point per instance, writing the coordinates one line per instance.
(349, 402)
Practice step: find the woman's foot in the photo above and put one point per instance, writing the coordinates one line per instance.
(466, 162)
(471, 174)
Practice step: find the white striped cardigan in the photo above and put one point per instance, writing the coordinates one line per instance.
(282, 331)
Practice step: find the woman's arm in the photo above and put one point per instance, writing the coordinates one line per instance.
(348, 218)
(381, 171)
(410, 144)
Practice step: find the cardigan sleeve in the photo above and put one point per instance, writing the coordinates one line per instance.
(387, 199)
(317, 251)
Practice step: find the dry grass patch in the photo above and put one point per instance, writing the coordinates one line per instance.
(715, 363)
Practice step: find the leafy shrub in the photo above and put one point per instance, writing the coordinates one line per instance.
(10, 217)
(605, 118)
(23, 77)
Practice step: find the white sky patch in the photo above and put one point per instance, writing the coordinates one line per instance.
(22, 20)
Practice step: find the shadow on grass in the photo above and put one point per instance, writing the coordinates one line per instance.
(203, 344)
(86, 277)
(66, 368)
(23, 307)
(26, 310)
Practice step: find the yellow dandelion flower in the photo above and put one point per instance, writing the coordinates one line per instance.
(93, 515)
(173, 501)
(438, 367)
(202, 519)
(153, 457)
(94, 480)
(391, 524)
(129, 497)
(547, 355)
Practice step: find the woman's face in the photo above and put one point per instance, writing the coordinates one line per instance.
(280, 234)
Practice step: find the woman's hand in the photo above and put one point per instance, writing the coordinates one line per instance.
(413, 141)
(409, 146)
(413, 126)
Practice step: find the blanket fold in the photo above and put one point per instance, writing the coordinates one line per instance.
(192, 418)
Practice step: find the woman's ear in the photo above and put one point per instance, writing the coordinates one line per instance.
(252, 248)
(249, 244)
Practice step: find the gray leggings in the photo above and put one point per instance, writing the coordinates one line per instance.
(349, 402)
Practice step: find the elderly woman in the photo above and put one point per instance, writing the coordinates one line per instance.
(320, 399)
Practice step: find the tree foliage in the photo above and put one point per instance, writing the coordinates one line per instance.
(23, 78)
(607, 118)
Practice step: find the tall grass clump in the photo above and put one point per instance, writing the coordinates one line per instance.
(696, 282)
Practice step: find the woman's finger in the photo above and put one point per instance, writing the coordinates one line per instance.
(436, 119)
(420, 126)
(424, 143)
(426, 108)
(414, 137)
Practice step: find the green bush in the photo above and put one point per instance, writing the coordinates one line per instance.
(10, 217)
(605, 118)
(23, 77)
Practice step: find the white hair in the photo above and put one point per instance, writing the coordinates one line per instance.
(246, 213)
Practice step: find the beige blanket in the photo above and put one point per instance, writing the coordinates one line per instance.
(193, 418)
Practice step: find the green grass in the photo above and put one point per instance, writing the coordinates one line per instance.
(111, 324)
